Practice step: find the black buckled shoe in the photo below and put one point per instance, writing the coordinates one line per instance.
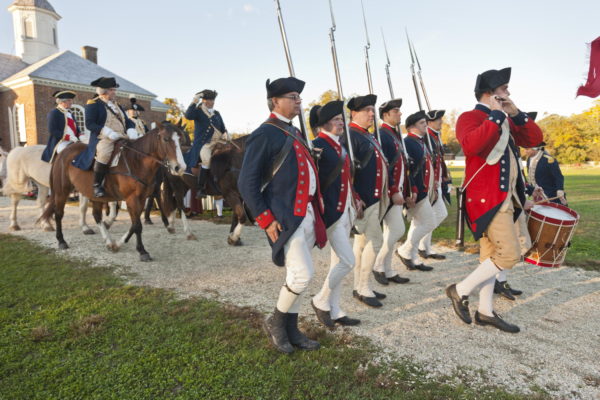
(434, 256)
(379, 296)
(370, 301)
(347, 321)
(380, 278)
(407, 262)
(460, 304)
(496, 321)
(323, 316)
(297, 338)
(398, 279)
(503, 289)
(423, 267)
(275, 328)
(514, 292)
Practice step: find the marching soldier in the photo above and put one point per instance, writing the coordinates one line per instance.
(422, 177)
(107, 122)
(370, 182)
(495, 191)
(61, 125)
(399, 189)
(134, 113)
(338, 196)
(209, 128)
(441, 179)
(279, 184)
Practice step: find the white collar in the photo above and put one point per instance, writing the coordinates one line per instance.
(438, 132)
(335, 138)
(281, 117)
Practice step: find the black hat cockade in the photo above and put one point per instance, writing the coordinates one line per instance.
(208, 94)
(313, 118)
(435, 114)
(532, 115)
(105, 83)
(64, 94)
(282, 86)
(359, 102)
(134, 105)
(389, 105)
(492, 79)
(414, 118)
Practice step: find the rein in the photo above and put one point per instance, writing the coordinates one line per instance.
(129, 173)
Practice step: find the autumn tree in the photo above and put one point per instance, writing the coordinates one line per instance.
(175, 114)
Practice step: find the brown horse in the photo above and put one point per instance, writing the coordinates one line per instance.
(130, 180)
(225, 165)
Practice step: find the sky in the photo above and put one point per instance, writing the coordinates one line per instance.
(177, 48)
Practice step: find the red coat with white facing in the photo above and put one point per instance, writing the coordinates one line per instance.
(478, 132)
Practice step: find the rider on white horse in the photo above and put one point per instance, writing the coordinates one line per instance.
(62, 127)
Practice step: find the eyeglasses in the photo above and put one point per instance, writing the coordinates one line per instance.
(293, 97)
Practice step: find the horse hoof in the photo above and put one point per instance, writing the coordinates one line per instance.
(232, 242)
(48, 228)
(63, 246)
(148, 222)
(191, 236)
(145, 257)
(14, 228)
(171, 230)
(88, 231)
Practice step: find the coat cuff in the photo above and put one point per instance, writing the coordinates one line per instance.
(497, 117)
(520, 119)
(265, 218)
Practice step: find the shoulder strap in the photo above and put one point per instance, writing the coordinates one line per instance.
(334, 172)
(277, 163)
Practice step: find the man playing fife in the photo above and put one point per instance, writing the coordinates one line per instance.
(278, 181)
(399, 190)
(421, 172)
(339, 197)
(494, 190)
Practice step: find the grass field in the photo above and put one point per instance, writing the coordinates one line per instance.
(582, 185)
(69, 331)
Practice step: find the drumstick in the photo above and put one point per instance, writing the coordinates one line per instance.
(546, 200)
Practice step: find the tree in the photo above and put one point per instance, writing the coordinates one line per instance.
(449, 131)
(176, 114)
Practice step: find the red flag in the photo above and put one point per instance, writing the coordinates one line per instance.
(592, 86)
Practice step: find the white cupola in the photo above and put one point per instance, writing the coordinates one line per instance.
(35, 27)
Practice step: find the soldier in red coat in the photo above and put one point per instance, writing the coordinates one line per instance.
(494, 190)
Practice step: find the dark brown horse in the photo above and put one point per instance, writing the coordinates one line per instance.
(225, 167)
(131, 180)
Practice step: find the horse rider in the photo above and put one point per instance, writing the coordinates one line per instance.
(62, 127)
(494, 190)
(279, 183)
(339, 197)
(107, 122)
(134, 113)
(209, 128)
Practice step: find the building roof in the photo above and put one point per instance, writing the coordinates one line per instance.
(158, 105)
(43, 4)
(10, 65)
(67, 67)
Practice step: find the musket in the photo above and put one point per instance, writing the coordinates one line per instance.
(413, 73)
(338, 81)
(412, 46)
(389, 79)
(460, 219)
(368, 68)
(288, 57)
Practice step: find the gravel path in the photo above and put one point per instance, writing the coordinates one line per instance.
(558, 348)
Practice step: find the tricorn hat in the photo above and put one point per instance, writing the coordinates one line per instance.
(435, 114)
(105, 83)
(208, 94)
(313, 118)
(64, 94)
(490, 80)
(414, 118)
(282, 86)
(389, 105)
(135, 105)
(329, 111)
(359, 102)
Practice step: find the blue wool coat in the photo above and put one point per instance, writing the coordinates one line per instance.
(56, 129)
(203, 132)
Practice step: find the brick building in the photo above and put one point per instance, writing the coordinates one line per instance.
(28, 79)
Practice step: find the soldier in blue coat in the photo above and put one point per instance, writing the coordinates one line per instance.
(371, 184)
(544, 171)
(62, 127)
(278, 182)
(340, 203)
(208, 129)
(107, 122)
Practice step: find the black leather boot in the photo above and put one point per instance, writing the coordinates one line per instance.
(202, 179)
(275, 327)
(100, 171)
(296, 337)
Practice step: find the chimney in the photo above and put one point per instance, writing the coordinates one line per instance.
(90, 53)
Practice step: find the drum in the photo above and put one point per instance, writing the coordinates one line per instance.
(551, 227)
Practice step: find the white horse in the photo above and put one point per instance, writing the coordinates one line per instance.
(3, 155)
(23, 165)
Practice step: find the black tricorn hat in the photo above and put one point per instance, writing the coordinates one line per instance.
(313, 118)
(64, 94)
(414, 118)
(435, 114)
(281, 86)
(329, 111)
(208, 94)
(359, 102)
(389, 105)
(533, 115)
(105, 83)
(490, 80)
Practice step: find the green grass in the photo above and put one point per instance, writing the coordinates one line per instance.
(70, 331)
(582, 185)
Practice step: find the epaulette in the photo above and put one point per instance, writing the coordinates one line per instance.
(550, 158)
(91, 101)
